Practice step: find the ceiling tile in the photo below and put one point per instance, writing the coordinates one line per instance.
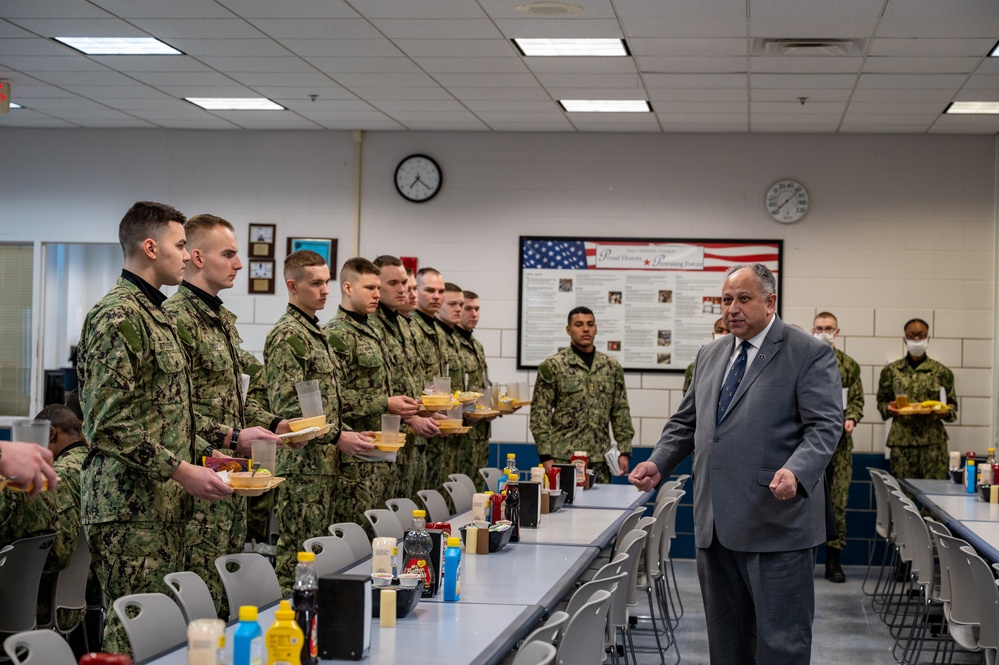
(559, 27)
(919, 65)
(108, 27)
(223, 28)
(364, 65)
(805, 64)
(342, 48)
(562, 65)
(438, 9)
(936, 48)
(451, 48)
(260, 47)
(300, 9)
(915, 81)
(436, 28)
(958, 18)
(645, 48)
(290, 28)
(472, 93)
(130, 9)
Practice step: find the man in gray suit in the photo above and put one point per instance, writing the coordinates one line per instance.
(764, 414)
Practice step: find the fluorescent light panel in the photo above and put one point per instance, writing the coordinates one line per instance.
(15, 106)
(572, 47)
(605, 105)
(973, 108)
(119, 45)
(235, 103)
(995, 51)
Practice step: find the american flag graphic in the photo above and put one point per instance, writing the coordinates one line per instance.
(554, 253)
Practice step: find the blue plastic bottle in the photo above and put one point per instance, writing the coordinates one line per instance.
(452, 569)
(247, 643)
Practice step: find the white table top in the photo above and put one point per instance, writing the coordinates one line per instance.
(614, 496)
(502, 578)
(983, 536)
(931, 487)
(589, 527)
(964, 508)
(468, 633)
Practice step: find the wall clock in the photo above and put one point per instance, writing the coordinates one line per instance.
(786, 201)
(418, 178)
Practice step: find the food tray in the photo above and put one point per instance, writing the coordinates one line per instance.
(482, 414)
(275, 481)
(450, 431)
(917, 410)
(304, 435)
(466, 397)
(517, 403)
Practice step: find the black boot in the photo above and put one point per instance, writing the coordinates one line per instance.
(834, 572)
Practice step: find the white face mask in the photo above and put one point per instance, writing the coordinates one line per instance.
(917, 347)
(823, 337)
(717, 335)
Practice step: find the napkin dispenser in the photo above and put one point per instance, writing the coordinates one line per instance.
(530, 504)
(567, 476)
(343, 624)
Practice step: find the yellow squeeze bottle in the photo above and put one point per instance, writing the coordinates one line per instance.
(284, 638)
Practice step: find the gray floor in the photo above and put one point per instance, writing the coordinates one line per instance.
(846, 630)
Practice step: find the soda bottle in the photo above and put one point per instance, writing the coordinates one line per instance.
(247, 642)
(417, 546)
(284, 638)
(304, 595)
(513, 506)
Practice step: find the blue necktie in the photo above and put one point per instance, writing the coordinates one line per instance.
(732, 381)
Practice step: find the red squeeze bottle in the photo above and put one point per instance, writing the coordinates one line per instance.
(497, 512)
(553, 478)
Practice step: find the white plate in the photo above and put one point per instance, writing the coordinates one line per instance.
(300, 435)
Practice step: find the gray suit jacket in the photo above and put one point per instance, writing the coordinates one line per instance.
(788, 413)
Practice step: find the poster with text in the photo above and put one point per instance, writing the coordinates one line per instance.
(655, 301)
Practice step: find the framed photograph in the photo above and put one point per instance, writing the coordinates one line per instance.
(262, 241)
(325, 247)
(262, 276)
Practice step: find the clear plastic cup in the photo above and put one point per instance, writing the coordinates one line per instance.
(390, 428)
(442, 385)
(31, 431)
(310, 400)
(264, 453)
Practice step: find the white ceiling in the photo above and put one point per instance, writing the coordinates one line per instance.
(450, 65)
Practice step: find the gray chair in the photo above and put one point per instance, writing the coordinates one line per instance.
(961, 612)
(192, 595)
(159, 624)
(550, 631)
(354, 536)
(21, 565)
(582, 640)
(466, 482)
(384, 523)
(70, 589)
(38, 647)
(461, 498)
(437, 510)
(491, 475)
(332, 554)
(403, 509)
(252, 581)
(535, 653)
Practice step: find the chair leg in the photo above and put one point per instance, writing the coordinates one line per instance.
(679, 600)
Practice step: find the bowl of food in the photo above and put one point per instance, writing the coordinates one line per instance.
(436, 400)
(409, 580)
(243, 480)
(299, 424)
(449, 423)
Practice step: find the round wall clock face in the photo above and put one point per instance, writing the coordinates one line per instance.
(786, 201)
(418, 178)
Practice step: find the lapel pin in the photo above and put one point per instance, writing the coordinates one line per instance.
(761, 357)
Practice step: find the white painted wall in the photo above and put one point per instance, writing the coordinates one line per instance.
(900, 226)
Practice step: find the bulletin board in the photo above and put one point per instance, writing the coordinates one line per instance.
(655, 301)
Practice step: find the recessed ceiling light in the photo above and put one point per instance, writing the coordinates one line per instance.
(571, 47)
(119, 45)
(548, 8)
(966, 108)
(605, 105)
(15, 106)
(995, 51)
(235, 103)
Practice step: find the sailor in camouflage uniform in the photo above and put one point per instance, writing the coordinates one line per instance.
(457, 447)
(401, 359)
(473, 360)
(139, 476)
(918, 442)
(825, 327)
(297, 350)
(431, 353)
(57, 510)
(211, 342)
(363, 378)
(258, 508)
(578, 393)
(720, 330)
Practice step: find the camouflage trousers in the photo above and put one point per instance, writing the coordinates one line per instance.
(477, 454)
(258, 517)
(362, 486)
(132, 557)
(453, 459)
(920, 461)
(412, 470)
(216, 529)
(304, 510)
(840, 473)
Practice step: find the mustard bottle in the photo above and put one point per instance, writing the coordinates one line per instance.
(284, 638)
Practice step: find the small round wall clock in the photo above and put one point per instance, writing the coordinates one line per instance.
(786, 201)
(418, 178)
